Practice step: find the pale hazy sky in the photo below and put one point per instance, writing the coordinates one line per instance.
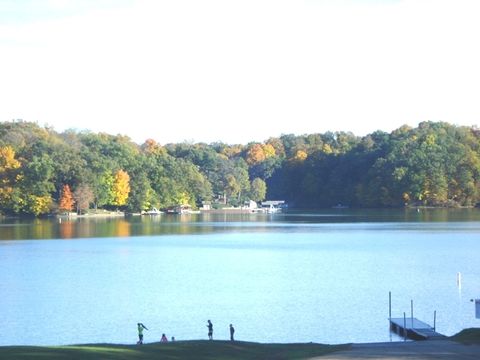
(238, 71)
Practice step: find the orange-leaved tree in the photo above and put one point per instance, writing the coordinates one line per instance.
(66, 199)
(255, 154)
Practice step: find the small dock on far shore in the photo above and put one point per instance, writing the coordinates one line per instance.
(414, 329)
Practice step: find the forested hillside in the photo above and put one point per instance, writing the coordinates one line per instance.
(43, 171)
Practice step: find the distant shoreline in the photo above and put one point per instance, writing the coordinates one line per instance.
(91, 215)
(118, 214)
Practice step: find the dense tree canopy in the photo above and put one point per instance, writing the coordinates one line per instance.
(435, 164)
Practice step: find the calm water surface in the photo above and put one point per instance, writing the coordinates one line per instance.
(295, 277)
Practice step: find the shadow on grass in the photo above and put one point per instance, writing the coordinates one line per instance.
(199, 350)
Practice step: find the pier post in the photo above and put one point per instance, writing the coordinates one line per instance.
(411, 311)
(404, 327)
(390, 314)
(435, 320)
(389, 305)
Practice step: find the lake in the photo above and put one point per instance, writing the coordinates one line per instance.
(295, 277)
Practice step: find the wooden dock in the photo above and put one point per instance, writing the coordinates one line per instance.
(414, 329)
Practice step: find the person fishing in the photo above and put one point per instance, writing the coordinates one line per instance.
(232, 331)
(210, 330)
(140, 327)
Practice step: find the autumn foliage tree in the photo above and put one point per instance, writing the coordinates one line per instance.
(268, 150)
(255, 154)
(66, 202)
(7, 159)
(8, 168)
(121, 188)
(8, 175)
(300, 155)
(152, 147)
(258, 153)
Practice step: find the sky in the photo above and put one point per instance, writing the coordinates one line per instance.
(238, 71)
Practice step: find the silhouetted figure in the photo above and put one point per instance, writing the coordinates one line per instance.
(210, 330)
(140, 327)
(164, 338)
(232, 331)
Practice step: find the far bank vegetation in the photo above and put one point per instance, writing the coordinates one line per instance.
(43, 171)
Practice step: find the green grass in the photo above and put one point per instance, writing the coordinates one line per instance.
(468, 336)
(198, 350)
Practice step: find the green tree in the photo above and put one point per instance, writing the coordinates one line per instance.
(258, 190)
(104, 190)
(142, 197)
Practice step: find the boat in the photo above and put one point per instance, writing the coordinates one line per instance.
(154, 211)
(272, 206)
(182, 209)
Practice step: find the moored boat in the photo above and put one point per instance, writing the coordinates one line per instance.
(182, 209)
(154, 211)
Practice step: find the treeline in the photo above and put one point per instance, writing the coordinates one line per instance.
(43, 171)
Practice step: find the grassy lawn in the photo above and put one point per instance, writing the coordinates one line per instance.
(468, 336)
(199, 350)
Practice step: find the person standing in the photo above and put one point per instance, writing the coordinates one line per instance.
(232, 331)
(140, 327)
(210, 330)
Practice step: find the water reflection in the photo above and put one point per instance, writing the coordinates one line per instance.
(67, 229)
(205, 223)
